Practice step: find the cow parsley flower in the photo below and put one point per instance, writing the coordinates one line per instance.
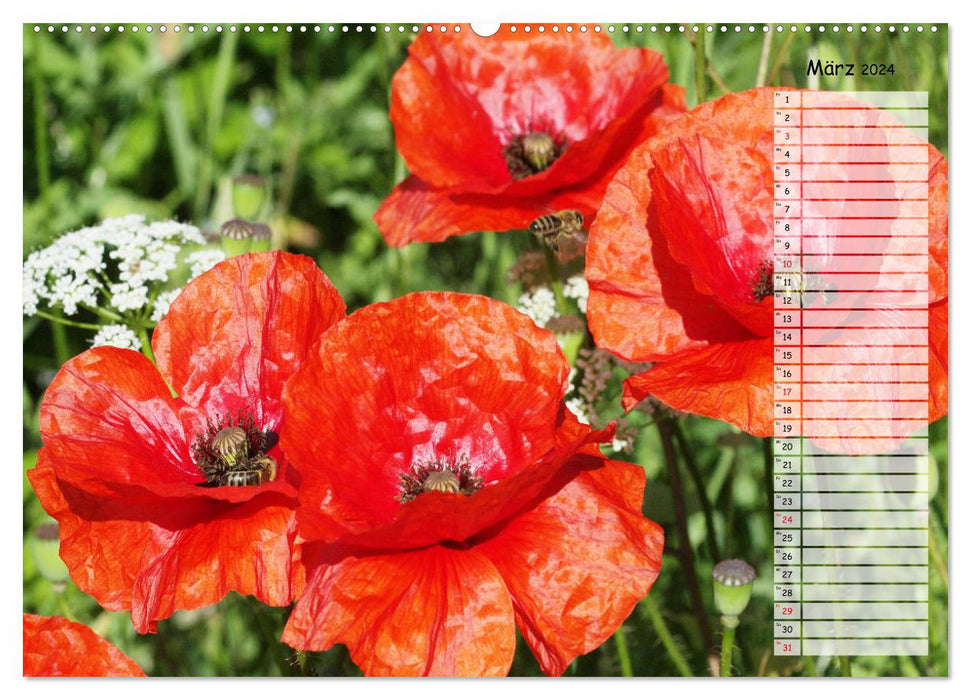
(117, 271)
(116, 335)
(577, 288)
(539, 305)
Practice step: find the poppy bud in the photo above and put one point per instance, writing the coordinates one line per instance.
(733, 589)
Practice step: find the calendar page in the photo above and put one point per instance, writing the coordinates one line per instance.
(545, 349)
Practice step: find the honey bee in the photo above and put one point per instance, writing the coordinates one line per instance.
(256, 471)
(804, 285)
(551, 228)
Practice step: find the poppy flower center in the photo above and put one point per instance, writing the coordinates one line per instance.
(233, 452)
(442, 476)
(763, 282)
(528, 154)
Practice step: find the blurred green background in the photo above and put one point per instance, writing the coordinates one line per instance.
(159, 124)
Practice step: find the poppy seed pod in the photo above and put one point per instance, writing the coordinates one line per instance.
(733, 589)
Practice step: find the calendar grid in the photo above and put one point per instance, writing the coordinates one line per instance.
(850, 281)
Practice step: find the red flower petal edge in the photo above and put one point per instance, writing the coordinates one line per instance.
(461, 103)
(55, 646)
(539, 530)
(676, 248)
(139, 530)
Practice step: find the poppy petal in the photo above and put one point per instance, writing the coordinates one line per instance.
(457, 94)
(437, 517)
(417, 211)
(130, 563)
(696, 184)
(430, 612)
(58, 647)
(579, 562)
(236, 333)
(107, 414)
(643, 305)
(729, 381)
(430, 376)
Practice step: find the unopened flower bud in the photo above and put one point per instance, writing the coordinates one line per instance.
(733, 589)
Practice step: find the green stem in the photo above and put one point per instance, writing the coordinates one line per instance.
(146, 344)
(649, 610)
(701, 65)
(553, 268)
(272, 644)
(623, 653)
(66, 322)
(845, 669)
(699, 485)
(104, 313)
(780, 58)
(304, 663)
(40, 123)
(685, 553)
(939, 564)
(214, 116)
(763, 69)
(728, 641)
(180, 140)
(61, 349)
(768, 463)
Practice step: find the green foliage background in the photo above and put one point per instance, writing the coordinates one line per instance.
(158, 124)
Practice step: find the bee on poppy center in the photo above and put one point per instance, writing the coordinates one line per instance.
(232, 452)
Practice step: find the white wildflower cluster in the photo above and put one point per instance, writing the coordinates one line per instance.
(577, 404)
(539, 305)
(577, 288)
(579, 408)
(114, 269)
(202, 260)
(116, 335)
(162, 303)
(624, 445)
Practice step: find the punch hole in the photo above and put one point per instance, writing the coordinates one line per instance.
(485, 29)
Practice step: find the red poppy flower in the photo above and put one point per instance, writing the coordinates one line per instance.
(679, 263)
(449, 496)
(168, 503)
(500, 130)
(54, 646)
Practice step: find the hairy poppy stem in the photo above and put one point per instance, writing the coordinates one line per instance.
(696, 480)
(728, 642)
(649, 610)
(623, 653)
(685, 553)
